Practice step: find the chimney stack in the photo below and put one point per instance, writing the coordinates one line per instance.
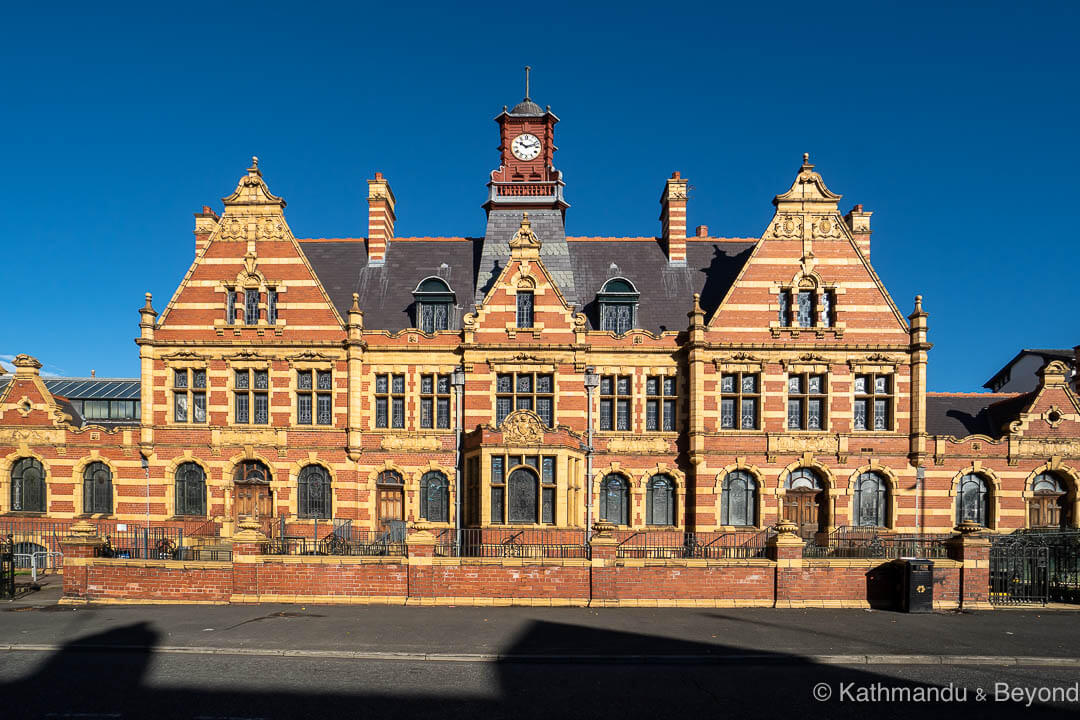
(858, 223)
(673, 219)
(205, 222)
(702, 231)
(380, 219)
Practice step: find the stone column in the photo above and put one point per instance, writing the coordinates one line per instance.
(420, 548)
(79, 548)
(247, 547)
(972, 549)
(603, 574)
(786, 548)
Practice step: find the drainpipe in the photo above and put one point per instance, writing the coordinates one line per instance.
(920, 474)
(146, 471)
(592, 381)
(458, 381)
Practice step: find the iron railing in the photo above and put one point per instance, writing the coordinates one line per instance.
(509, 543)
(849, 541)
(155, 543)
(1039, 565)
(678, 544)
(341, 541)
(203, 554)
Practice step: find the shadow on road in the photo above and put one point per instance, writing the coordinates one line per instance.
(115, 674)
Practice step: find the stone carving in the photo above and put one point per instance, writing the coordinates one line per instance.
(309, 356)
(22, 360)
(423, 443)
(525, 237)
(788, 226)
(818, 444)
(271, 228)
(522, 427)
(230, 229)
(637, 445)
(1048, 447)
(827, 226)
(15, 436)
(265, 438)
(744, 357)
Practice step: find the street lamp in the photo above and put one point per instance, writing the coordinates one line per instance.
(146, 471)
(457, 379)
(592, 381)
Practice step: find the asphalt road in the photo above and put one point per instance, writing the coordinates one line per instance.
(141, 685)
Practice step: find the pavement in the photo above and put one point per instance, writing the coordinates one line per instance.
(289, 661)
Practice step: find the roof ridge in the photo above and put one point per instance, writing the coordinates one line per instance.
(972, 394)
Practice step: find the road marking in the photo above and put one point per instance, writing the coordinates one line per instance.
(605, 659)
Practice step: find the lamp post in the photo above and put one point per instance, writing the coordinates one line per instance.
(592, 381)
(146, 471)
(457, 379)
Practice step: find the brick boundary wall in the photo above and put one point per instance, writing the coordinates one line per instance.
(782, 580)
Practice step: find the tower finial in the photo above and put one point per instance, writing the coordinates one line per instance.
(527, 69)
(806, 158)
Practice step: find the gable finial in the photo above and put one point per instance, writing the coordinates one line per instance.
(806, 158)
(527, 69)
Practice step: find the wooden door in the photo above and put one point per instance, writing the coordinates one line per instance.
(391, 504)
(802, 508)
(253, 500)
(1045, 510)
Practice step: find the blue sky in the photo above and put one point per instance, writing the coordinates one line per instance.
(955, 124)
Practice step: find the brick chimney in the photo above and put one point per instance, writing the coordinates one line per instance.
(205, 222)
(702, 231)
(673, 218)
(858, 222)
(380, 219)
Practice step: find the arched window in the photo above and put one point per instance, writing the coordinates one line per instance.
(391, 495)
(190, 489)
(523, 486)
(615, 499)
(313, 492)
(805, 503)
(97, 488)
(738, 499)
(434, 304)
(618, 301)
(435, 497)
(1048, 506)
(27, 486)
(973, 500)
(660, 501)
(251, 472)
(871, 500)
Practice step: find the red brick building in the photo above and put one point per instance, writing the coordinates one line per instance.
(533, 379)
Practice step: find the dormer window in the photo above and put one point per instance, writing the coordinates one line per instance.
(618, 306)
(434, 304)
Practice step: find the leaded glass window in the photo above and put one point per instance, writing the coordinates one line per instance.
(523, 496)
(618, 300)
(190, 489)
(314, 397)
(434, 302)
(189, 395)
(740, 394)
(27, 486)
(973, 500)
(871, 497)
(873, 401)
(738, 499)
(660, 403)
(314, 493)
(251, 306)
(230, 306)
(828, 308)
(806, 402)
(435, 497)
(615, 499)
(660, 501)
(525, 391)
(615, 401)
(525, 317)
(97, 489)
(389, 401)
(271, 306)
(251, 397)
(435, 401)
(805, 308)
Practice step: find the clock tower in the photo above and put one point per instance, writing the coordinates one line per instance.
(526, 177)
(526, 181)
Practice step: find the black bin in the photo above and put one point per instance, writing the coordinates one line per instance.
(916, 585)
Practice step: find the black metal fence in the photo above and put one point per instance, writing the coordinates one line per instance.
(155, 543)
(678, 544)
(203, 554)
(1035, 566)
(343, 540)
(36, 542)
(508, 543)
(870, 543)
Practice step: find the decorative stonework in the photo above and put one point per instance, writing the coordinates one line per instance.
(788, 226)
(420, 443)
(1047, 447)
(523, 427)
(633, 446)
(818, 444)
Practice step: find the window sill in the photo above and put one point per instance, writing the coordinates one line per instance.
(25, 513)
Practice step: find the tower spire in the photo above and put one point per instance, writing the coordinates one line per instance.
(527, 69)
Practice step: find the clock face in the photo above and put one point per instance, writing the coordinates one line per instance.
(525, 146)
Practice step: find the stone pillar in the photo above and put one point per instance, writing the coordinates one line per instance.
(79, 548)
(786, 548)
(420, 548)
(247, 547)
(354, 349)
(919, 349)
(603, 573)
(972, 549)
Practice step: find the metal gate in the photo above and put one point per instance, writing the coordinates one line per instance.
(1019, 571)
(7, 567)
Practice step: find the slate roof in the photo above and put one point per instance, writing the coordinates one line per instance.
(580, 265)
(963, 414)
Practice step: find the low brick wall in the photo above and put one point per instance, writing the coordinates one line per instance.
(732, 583)
(118, 581)
(273, 578)
(483, 581)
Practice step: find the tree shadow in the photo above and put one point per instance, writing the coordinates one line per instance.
(599, 673)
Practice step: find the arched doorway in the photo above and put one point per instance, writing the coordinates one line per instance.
(390, 487)
(252, 496)
(805, 502)
(1049, 505)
